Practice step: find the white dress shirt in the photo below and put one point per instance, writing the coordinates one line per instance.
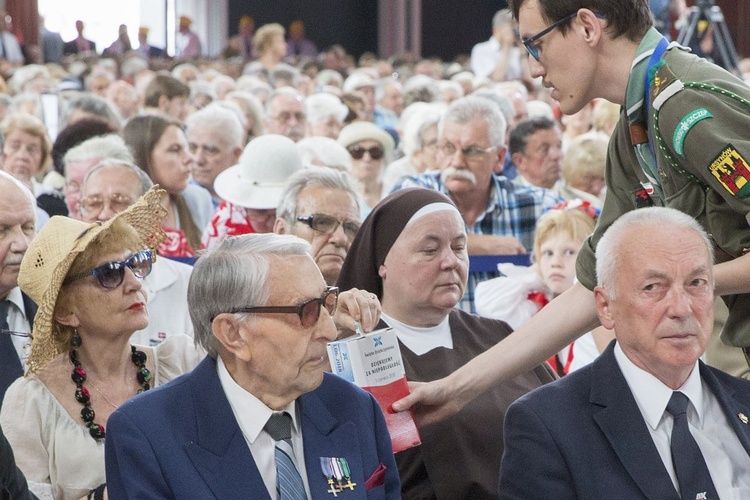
(485, 57)
(252, 415)
(726, 459)
(18, 322)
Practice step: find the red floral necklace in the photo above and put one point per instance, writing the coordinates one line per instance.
(84, 397)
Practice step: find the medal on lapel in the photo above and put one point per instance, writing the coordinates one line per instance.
(337, 474)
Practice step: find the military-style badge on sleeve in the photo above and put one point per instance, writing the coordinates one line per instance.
(732, 171)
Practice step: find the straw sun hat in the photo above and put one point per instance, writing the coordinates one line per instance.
(52, 252)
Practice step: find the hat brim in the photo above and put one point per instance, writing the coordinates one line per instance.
(145, 216)
(231, 186)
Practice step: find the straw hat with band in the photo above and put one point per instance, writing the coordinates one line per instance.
(362, 131)
(52, 252)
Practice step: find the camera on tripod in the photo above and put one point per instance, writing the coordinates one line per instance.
(724, 51)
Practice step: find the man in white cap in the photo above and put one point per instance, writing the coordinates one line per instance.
(251, 190)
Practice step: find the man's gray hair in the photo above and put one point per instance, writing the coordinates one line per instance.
(312, 177)
(143, 177)
(321, 106)
(216, 287)
(609, 246)
(382, 86)
(222, 121)
(470, 108)
(413, 140)
(284, 91)
(103, 146)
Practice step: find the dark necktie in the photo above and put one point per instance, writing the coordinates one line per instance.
(692, 473)
(289, 485)
(10, 365)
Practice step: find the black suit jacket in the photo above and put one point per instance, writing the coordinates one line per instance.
(12, 483)
(584, 437)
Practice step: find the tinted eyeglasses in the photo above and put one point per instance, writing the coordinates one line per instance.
(308, 311)
(94, 204)
(112, 274)
(376, 152)
(327, 224)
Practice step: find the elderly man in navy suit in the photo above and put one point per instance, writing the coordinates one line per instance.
(648, 419)
(258, 418)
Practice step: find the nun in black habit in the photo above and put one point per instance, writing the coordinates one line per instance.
(411, 252)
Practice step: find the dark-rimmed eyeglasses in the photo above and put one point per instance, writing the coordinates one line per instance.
(327, 224)
(112, 274)
(532, 49)
(376, 152)
(308, 311)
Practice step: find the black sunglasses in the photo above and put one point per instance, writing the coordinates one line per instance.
(376, 152)
(308, 311)
(112, 274)
(327, 224)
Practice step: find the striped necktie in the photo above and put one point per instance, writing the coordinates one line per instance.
(289, 485)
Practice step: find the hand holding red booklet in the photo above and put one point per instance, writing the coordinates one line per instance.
(373, 362)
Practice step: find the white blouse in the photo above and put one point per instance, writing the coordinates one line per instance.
(57, 451)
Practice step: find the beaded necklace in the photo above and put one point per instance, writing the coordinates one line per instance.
(83, 396)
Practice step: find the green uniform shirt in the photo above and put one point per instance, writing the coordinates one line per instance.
(708, 135)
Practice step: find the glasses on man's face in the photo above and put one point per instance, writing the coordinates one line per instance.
(94, 204)
(308, 311)
(470, 152)
(112, 274)
(529, 43)
(358, 152)
(327, 224)
(285, 116)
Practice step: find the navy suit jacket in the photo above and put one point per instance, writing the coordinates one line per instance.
(181, 440)
(584, 437)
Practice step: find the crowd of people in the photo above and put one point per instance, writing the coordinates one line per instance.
(181, 237)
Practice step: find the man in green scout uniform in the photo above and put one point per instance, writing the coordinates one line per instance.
(691, 152)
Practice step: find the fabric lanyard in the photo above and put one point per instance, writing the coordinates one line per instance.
(661, 47)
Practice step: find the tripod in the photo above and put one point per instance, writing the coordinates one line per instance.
(688, 36)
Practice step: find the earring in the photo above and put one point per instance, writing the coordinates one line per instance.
(75, 339)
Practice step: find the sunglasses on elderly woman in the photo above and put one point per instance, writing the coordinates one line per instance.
(376, 152)
(308, 311)
(112, 274)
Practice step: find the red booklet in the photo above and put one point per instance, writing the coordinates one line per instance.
(373, 362)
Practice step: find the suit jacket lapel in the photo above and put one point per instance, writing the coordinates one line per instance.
(324, 436)
(621, 422)
(731, 406)
(30, 307)
(220, 454)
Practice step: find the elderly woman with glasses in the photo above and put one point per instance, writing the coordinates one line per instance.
(411, 252)
(86, 280)
(370, 148)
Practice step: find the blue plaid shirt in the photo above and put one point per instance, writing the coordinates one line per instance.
(511, 211)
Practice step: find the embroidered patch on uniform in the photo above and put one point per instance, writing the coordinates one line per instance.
(732, 171)
(687, 122)
(642, 198)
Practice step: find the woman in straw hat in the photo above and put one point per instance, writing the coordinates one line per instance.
(85, 278)
(411, 252)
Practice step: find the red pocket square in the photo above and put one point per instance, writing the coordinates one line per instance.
(377, 478)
